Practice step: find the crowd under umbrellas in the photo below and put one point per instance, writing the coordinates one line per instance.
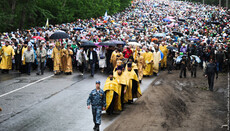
(147, 37)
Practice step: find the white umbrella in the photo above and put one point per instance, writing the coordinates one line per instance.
(134, 44)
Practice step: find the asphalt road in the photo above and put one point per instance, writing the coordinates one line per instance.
(38, 103)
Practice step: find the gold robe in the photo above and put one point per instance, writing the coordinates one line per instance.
(140, 66)
(63, 60)
(110, 89)
(115, 57)
(6, 53)
(122, 81)
(23, 50)
(164, 50)
(56, 56)
(132, 76)
(148, 57)
(156, 60)
(69, 67)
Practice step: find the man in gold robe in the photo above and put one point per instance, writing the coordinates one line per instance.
(7, 53)
(140, 65)
(111, 93)
(116, 55)
(156, 60)
(133, 90)
(122, 87)
(63, 58)
(164, 50)
(56, 56)
(68, 54)
(148, 57)
(24, 48)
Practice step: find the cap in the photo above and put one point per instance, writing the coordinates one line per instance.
(130, 64)
(119, 68)
(110, 73)
(98, 82)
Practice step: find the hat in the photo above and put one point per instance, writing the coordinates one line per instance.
(130, 64)
(98, 82)
(110, 73)
(119, 68)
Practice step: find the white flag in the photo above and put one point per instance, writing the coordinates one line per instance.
(106, 17)
(47, 23)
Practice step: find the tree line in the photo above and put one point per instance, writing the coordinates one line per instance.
(21, 14)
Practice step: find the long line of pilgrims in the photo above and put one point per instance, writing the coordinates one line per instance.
(162, 31)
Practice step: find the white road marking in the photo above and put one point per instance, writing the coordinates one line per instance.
(25, 86)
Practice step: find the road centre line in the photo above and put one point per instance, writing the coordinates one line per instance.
(25, 86)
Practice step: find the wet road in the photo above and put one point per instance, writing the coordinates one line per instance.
(49, 102)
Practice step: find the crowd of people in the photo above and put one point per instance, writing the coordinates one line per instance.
(147, 37)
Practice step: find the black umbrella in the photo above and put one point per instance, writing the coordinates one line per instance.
(100, 28)
(191, 18)
(177, 33)
(65, 29)
(172, 48)
(59, 35)
(215, 22)
(182, 20)
(106, 43)
(132, 40)
(88, 44)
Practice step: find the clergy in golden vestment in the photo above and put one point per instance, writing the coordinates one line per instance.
(164, 50)
(23, 66)
(7, 53)
(156, 60)
(111, 93)
(68, 54)
(63, 58)
(133, 90)
(116, 55)
(148, 57)
(56, 56)
(122, 87)
(140, 65)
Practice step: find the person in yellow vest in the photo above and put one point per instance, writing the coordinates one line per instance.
(119, 63)
(122, 87)
(156, 60)
(63, 58)
(68, 54)
(133, 90)
(111, 93)
(134, 65)
(7, 53)
(24, 48)
(137, 50)
(164, 50)
(140, 65)
(148, 57)
(56, 56)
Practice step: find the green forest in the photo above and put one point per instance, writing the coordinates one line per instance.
(21, 14)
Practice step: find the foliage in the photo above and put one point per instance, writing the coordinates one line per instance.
(21, 14)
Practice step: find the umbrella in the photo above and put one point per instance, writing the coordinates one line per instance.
(191, 18)
(116, 42)
(132, 40)
(78, 28)
(106, 43)
(193, 39)
(100, 28)
(162, 54)
(182, 20)
(140, 29)
(38, 38)
(166, 20)
(64, 29)
(59, 35)
(177, 33)
(159, 35)
(88, 44)
(178, 59)
(172, 48)
(196, 57)
(134, 44)
(215, 22)
(154, 39)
